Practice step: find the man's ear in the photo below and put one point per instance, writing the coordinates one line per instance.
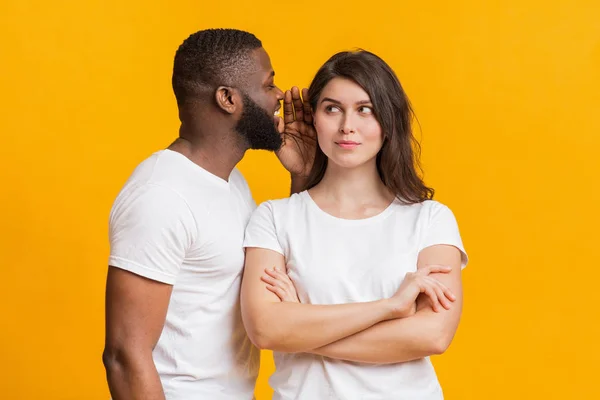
(228, 99)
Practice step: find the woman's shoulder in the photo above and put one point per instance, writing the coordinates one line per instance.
(284, 205)
(432, 205)
(419, 207)
(421, 211)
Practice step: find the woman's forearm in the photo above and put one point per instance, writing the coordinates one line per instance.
(295, 327)
(424, 334)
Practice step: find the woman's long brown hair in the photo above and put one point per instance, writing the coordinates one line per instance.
(398, 159)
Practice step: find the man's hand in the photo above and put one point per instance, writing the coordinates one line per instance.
(298, 133)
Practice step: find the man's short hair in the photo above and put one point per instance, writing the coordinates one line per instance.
(211, 58)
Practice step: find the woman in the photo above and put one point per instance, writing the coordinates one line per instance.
(376, 264)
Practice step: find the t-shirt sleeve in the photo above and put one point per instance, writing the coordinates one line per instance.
(442, 228)
(150, 230)
(261, 231)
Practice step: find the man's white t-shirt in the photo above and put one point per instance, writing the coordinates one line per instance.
(176, 223)
(333, 261)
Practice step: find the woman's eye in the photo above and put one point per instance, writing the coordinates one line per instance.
(332, 109)
(365, 110)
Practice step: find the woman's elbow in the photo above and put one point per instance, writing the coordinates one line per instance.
(440, 342)
(260, 333)
(269, 338)
(265, 327)
(261, 340)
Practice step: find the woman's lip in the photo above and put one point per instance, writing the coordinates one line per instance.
(347, 145)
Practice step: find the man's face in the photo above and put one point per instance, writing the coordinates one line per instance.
(257, 123)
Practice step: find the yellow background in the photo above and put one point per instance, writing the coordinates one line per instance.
(507, 94)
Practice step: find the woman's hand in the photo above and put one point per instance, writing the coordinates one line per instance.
(404, 300)
(280, 283)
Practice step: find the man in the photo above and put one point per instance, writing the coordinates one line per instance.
(173, 322)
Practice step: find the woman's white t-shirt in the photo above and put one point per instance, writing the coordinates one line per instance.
(333, 261)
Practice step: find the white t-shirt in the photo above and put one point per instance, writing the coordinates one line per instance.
(333, 261)
(176, 223)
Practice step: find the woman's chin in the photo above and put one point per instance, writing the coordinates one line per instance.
(351, 161)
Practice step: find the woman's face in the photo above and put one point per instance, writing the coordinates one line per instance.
(348, 132)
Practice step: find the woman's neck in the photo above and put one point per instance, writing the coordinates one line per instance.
(356, 192)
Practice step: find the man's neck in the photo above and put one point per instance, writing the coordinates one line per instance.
(218, 157)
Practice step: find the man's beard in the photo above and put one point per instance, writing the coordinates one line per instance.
(258, 127)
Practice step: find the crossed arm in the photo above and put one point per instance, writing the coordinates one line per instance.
(423, 334)
(362, 332)
(294, 327)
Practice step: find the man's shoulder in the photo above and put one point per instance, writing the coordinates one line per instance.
(237, 179)
(152, 189)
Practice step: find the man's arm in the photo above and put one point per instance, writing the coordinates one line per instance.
(136, 309)
(423, 334)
